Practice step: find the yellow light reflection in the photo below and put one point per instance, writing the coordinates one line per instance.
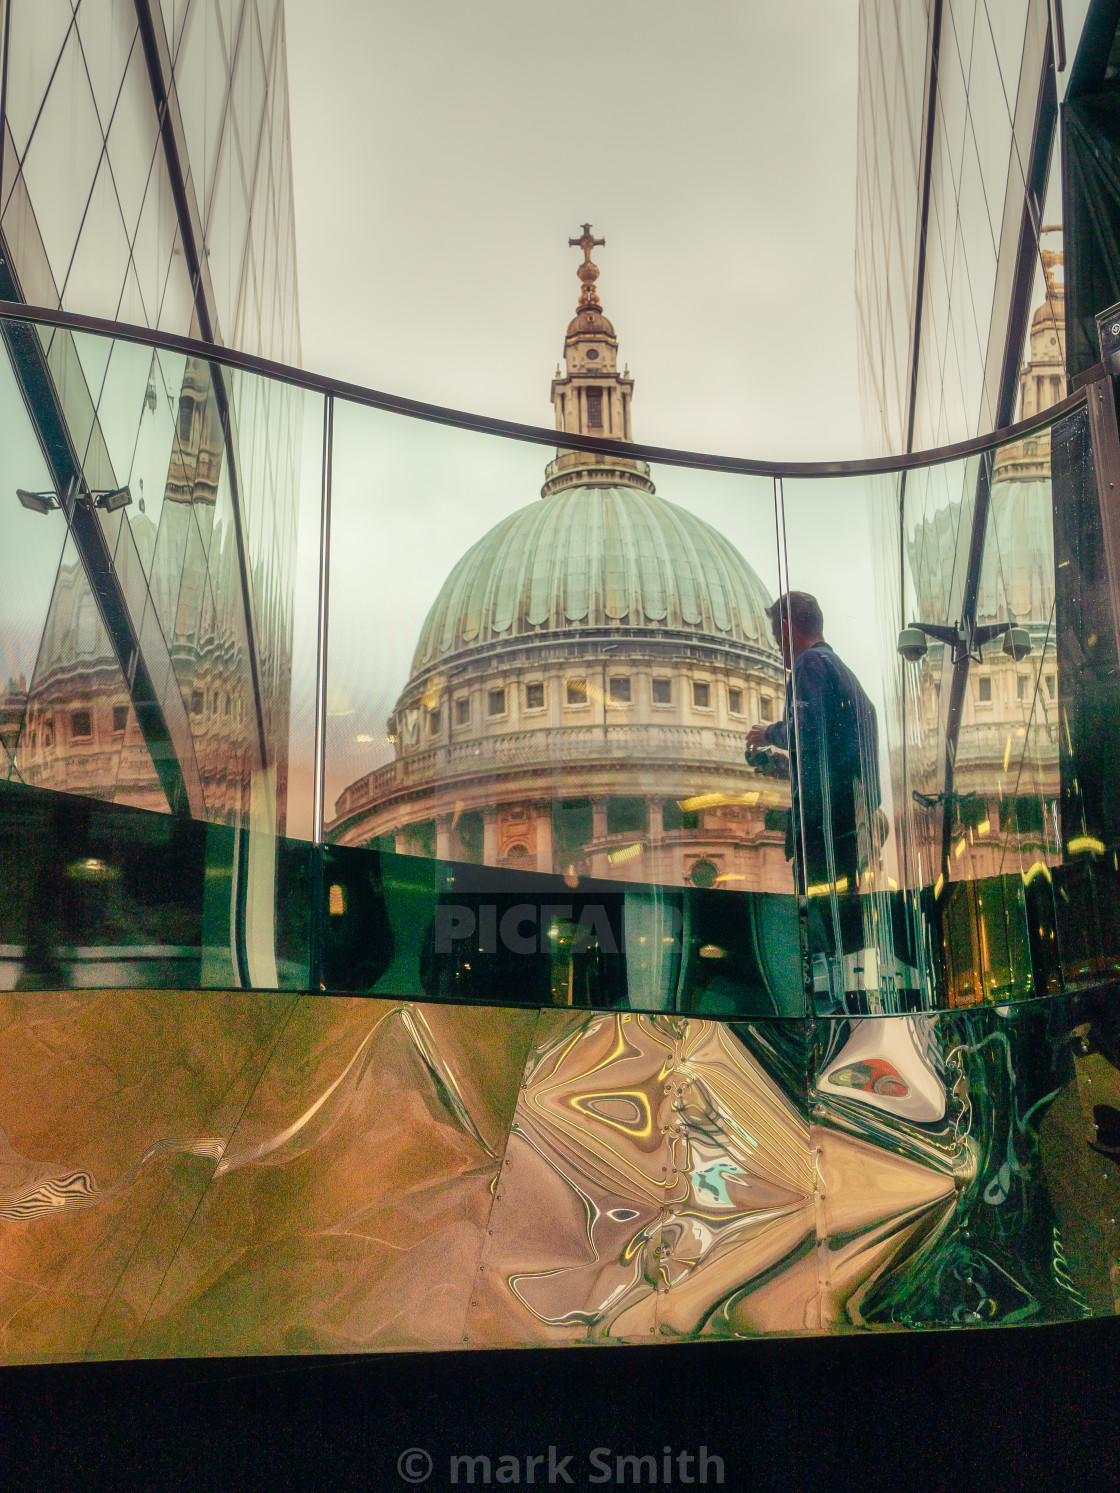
(1086, 843)
(717, 800)
(625, 853)
(826, 888)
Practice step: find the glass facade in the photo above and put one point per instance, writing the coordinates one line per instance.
(147, 179)
(959, 214)
(453, 893)
(147, 167)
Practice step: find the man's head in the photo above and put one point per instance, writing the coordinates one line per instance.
(797, 623)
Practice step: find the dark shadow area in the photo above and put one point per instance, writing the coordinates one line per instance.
(1034, 1408)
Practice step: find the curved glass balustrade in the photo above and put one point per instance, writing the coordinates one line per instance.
(391, 852)
(408, 727)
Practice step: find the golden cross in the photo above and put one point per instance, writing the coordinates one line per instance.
(586, 243)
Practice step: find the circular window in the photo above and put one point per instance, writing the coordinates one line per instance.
(592, 352)
(704, 873)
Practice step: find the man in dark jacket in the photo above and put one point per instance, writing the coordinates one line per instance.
(830, 732)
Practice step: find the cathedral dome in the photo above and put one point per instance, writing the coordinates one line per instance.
(595, 557)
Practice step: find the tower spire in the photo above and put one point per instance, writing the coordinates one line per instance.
(590, 396)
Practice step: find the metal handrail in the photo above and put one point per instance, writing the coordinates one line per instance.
(539, 435)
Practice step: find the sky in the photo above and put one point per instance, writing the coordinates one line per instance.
(443, 154)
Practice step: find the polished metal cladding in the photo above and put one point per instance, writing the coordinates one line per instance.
(194, 1173)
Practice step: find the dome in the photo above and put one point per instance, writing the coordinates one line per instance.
(589, 321)
(596, 557)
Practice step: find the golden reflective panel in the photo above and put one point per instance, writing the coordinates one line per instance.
(190, 1174)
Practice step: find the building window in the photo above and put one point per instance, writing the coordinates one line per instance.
(198, 702)
(534, 697)
(735, 701)
(462, 710)
(766, 707)
(701, 694)
(577, 691)
(435, 720)
(703, 873)
(595, 409)
(1051, 685)
(1022, 681)
(496, 702)
(673, 817)
(985, 690)
(186, 418)
(120, 719)
(626, 816)
(662, 691)
(1022, 815)
(620, 689)
(80, 724)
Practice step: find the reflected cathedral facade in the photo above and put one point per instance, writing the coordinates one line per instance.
(582, 685)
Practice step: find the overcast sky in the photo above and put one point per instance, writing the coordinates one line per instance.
(443, 154)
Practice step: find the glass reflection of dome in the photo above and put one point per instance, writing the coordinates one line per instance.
(586, 676)
(592, 558)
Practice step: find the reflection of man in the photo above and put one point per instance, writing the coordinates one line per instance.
(833, 747)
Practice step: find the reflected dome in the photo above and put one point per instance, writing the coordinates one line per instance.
(595, 557)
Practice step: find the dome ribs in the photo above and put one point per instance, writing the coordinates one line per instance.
(617, 563)
(544, 603)
(651, 570)
(595, 557)
(577, 580)
(687, 569)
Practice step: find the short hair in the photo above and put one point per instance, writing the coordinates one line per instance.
(804, 613)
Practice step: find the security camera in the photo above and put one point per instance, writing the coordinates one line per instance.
(912, 644)
(1017, 643)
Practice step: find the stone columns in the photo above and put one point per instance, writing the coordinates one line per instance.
(600, 866)
(490, 837)
(652, 867)
(444, 851)
(544, 837)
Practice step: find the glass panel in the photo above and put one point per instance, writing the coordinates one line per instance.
(31, 543)
(74, 738)
(981, 1169)
(37, 35)
(865, 734)
(562, 689)
(61, 161)
(980, 875)
(97, 896)
(202, 536)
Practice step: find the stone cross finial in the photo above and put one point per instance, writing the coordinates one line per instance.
(586, 243)
(587, 272)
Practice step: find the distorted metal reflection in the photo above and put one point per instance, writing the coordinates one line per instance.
(288, 1173)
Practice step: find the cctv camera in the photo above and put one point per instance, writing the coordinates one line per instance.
(1017, 643)
(912, 644)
